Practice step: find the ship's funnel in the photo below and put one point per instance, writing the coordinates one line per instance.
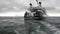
(40, 4)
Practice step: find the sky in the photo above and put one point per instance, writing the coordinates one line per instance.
(19, 7)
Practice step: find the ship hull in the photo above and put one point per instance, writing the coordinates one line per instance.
(35, 18)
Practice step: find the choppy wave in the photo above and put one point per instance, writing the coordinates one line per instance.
(17, 25)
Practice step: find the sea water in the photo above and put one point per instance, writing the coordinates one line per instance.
(17, 25)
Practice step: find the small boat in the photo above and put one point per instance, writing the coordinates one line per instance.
(35, 13)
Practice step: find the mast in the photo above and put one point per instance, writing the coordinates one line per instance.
(37, 1)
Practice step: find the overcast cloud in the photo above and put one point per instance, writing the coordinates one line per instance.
(52, 6)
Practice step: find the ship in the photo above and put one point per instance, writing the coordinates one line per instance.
(35, 13)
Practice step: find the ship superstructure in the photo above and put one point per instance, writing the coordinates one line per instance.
(37, 12)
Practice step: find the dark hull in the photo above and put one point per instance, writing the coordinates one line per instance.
(35, 18)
